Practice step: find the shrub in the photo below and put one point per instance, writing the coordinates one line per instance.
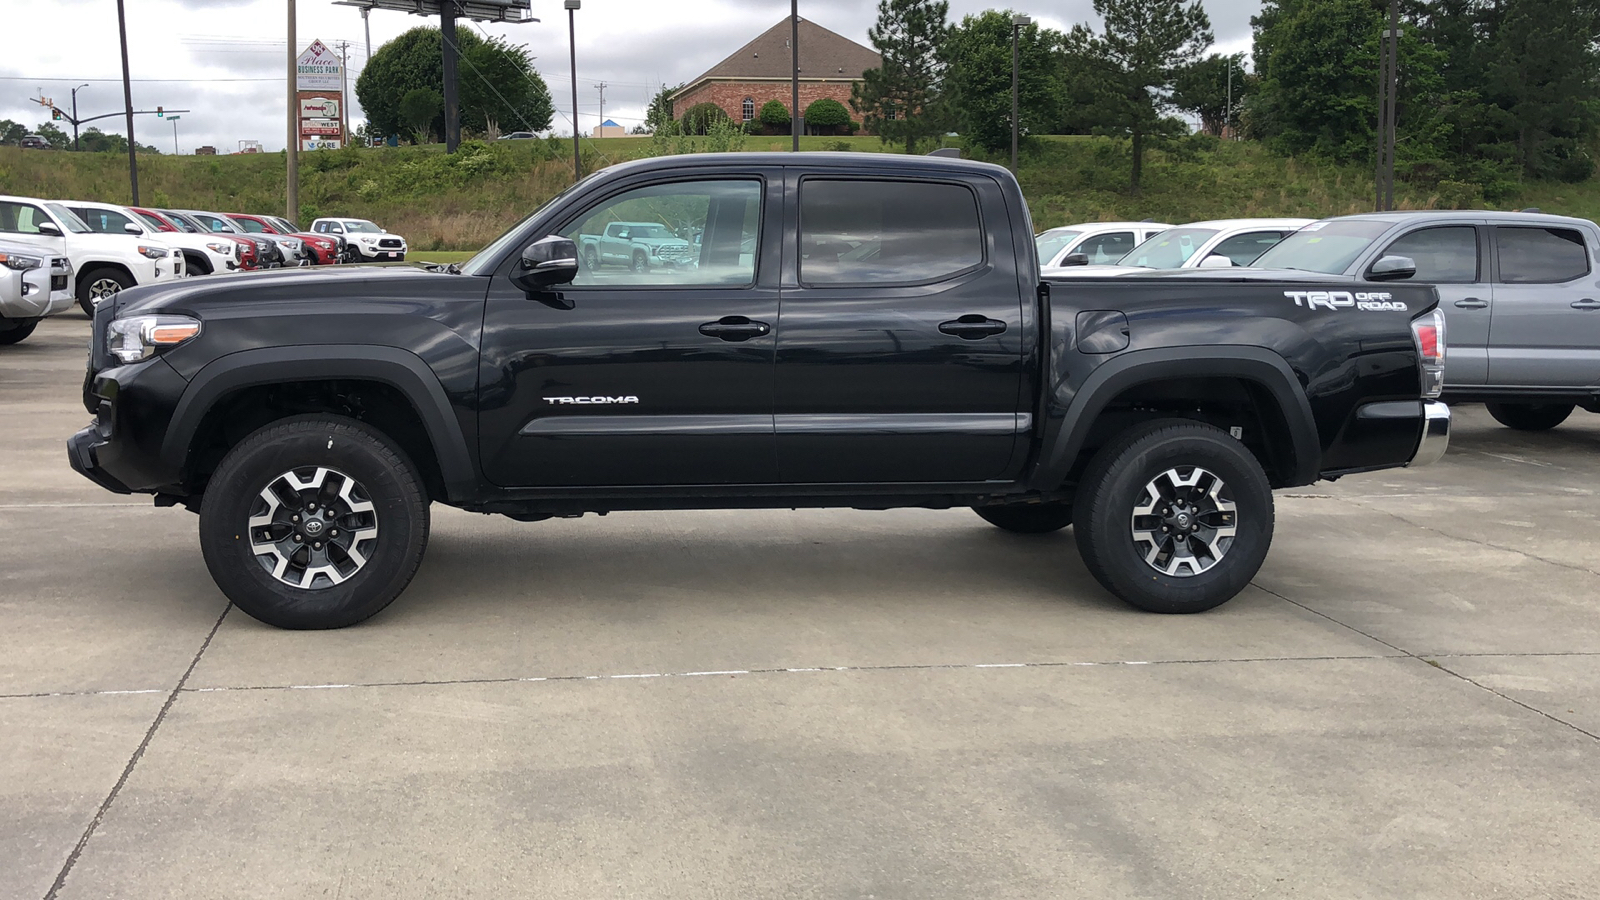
(775, 117)
(697, 119)
(827, 116)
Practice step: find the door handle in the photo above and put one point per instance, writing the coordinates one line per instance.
(1471, 303)
(1586, 303)
(972, 327)
(734, 328)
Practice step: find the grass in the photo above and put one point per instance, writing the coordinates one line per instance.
(441, 256)
(448, 205)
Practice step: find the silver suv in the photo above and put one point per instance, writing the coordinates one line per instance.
(1520, 292)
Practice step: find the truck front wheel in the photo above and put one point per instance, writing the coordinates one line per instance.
(314, 521)
(1036, 518)
(641, 263)
(1174, 516)
(1529, 416)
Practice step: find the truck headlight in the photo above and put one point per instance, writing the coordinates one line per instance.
(19, 262)
(141, 337)
(153, 252)
(220, 247)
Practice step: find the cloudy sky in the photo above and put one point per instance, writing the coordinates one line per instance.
(224, 60)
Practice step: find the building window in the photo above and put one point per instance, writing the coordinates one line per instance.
(748, 109)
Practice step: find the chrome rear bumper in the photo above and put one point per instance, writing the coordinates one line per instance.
(1435, 434)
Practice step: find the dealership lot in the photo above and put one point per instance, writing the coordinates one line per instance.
(814, 703)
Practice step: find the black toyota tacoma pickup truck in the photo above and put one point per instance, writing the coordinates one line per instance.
(855, 330)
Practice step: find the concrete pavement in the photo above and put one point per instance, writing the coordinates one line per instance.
(809, 704)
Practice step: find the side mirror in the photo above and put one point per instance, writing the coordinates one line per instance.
(1392, 268)
(49, 228)
(1076, 259)
(546, 263)
(132, 228)
(1216, 261)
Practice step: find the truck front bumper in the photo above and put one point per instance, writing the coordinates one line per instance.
(1435, 434)
(121, 449)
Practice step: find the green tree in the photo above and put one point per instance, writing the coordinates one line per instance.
(1213, 89)
(699, 118)
(827, 116)
(418, 108)
(977, 80)
(659, 113)
(498, 84)
(901, 99)
(93, 140)
(12, 133)
(58, 139)
(774, 117)
(1146, 43)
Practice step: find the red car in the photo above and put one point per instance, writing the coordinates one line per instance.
(165, 220)
(324, 248)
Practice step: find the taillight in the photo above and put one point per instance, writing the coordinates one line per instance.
(1428, 332)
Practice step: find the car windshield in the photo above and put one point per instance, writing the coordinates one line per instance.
(184, 223)
(361, 226)
(1327, 247)
(1052, 242)
(1169, 249)
(68, 218)
(153, 221)
(250, 225)
(284, 225)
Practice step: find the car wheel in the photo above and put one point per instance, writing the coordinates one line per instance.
(1530, 416)
(591, 259)
(1035, 518)
(641, 263)
(314, 522)
(195, 264)
(1174, 516)
(98, 284)
(18, 332)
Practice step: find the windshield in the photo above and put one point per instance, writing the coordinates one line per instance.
(283, 225)
(1052, 242)
(68, 218)
(184, 223)
(1169, 249)
(361, 226)
(1326, 247)
(154, 221)
(250, 225)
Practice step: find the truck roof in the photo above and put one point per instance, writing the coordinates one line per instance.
(1461, 215)
(823, 159)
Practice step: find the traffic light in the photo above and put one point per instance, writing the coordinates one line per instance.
(55, 113)
(160, 114)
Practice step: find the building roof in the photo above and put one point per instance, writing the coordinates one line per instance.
(823, 54)
(609, 124)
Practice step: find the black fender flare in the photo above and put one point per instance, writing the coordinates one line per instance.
(1254, 364)
(398, 368)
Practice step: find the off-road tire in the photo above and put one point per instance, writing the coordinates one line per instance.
(18, 334)
(306, 444)
(1530, 416)
(591, 259)
(1030, 518)
(90, 282)
(641, 262)
(1115, 483)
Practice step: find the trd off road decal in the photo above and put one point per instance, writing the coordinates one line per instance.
(1374, 302)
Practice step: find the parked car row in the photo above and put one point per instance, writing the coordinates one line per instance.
(1519, 290)
(54, 253)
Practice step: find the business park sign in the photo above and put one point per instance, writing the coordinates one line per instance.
(318, 69)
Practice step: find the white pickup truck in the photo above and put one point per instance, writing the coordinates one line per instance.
(638, 245)
(203, 254)
(33, 284)
(104, 263)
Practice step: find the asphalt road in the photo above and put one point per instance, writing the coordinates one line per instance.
(827, 704)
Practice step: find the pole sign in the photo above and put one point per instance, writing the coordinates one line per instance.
(319, 108)
(321, 126)
(318, 69)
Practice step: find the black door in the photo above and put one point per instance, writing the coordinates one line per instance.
(899, 342)
(655, 372)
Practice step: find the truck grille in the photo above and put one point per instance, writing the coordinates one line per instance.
(672, 252)
(60, 273)
(389, 243)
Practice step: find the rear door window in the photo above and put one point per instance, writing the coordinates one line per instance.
(1104, 249)
(1447, 255)
(856, 231)
(1540, 255)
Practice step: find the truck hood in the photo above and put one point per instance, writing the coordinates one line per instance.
(306, 284)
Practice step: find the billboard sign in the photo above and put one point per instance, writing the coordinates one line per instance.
(319, 143)
(320, 126)
(319, 108)
(318, 69)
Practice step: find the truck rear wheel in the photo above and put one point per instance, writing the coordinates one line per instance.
(17, 331)
(1174, 516)
(1530, 416)
(1034, 518)
(314, 522)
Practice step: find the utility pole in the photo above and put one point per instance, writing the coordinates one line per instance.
(127, 100)
(344, 93)
(367, 24)
(794, 80)
(572, 44)
(1388, 97)
(452, 105)
(174, 121)
(292, 198)
(1018, 22)
(601, 87)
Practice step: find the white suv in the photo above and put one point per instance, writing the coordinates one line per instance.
(104, 263)
(1221, 243)
(33, 284)
(202, 254)
(1099, 242)
(364, 241)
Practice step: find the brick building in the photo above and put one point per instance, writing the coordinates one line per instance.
(759, 71)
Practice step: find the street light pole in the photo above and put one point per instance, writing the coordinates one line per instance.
(1018, 22)
(127, 100)
(292, 196)
(794, 73)
(75, 116)
(572, 43)
(174, 120)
